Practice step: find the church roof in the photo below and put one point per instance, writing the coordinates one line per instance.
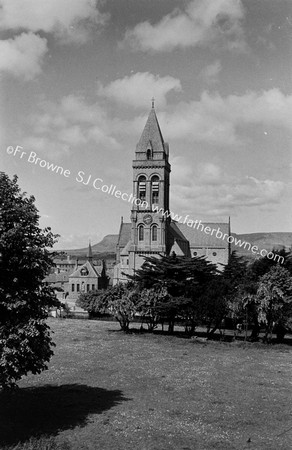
(92, 272)
(180, 244)
(125, 250)
(151, 135)
(198, 238)
(177, 249)
(125, 234)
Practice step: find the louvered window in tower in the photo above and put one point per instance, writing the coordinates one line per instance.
(142, 188)
(155, 189)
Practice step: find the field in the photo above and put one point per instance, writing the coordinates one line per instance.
(108, 390)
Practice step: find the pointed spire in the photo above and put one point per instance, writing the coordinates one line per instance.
(89, 252)
(103, 272)
(152, 134)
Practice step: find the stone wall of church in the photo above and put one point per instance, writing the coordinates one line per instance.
(217, 256)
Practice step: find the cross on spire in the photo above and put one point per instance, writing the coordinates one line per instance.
(153, 100)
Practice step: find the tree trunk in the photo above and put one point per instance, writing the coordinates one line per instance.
(255, 331)
(171, 326)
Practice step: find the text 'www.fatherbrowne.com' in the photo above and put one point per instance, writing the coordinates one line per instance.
(97, 184)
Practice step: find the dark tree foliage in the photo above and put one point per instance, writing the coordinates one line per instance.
(213, 306)
(274, 300)
(150, 306)
(235, 272)
(182, 280)
(120, 301)
(177, 273)
(239, 285)
(262, 265)
(94, 302)
(25, 341)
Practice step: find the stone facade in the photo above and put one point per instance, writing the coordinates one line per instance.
(87, 277)
(151, 232)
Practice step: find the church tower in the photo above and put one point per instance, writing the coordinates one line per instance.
(150, 233)
(151, 172)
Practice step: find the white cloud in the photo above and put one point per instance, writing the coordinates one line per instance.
(60, 127)
(209, 191)
(203, 22)
(136, 90)
(217, 120)
(64, 18)
(23, 55)
(210, 73)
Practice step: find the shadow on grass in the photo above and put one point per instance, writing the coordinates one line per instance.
(48, 409)
(227, 337)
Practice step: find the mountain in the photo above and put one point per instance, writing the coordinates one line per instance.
(106, 245)
(267, 241)
(264, 241)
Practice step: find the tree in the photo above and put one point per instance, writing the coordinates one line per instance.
(25, 341)
(149, 305)
(274, 299)
(93, 301)
(241, 289)
(212, 305)
(262, 265)
(121, 301)
(181, 278)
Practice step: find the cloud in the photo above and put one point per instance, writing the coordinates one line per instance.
(59, 128)
(64, 18)
(210, 73)
(209, 191)
(22, 56)
(202, 23)
(218, 120)
(136, 90)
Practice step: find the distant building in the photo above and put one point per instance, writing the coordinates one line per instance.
(87, 277)
(57, 280)
(64, 265)
(151, 232)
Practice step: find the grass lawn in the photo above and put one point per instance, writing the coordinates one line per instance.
(108, 390)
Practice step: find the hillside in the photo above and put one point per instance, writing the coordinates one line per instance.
(106, 245)
(267, 241)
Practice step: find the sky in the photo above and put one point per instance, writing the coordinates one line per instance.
(77, 78)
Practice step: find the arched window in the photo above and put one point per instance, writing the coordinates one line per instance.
(141, 233)
(154, 233)
(142, 188)
(148, 153)
(154, 189)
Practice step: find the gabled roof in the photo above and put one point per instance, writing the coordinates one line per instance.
(151, 135)
(57, 277)
(92, 272)
(125, 234)
(198, 238)
(180, 244)
(177, 249)
(125, 251)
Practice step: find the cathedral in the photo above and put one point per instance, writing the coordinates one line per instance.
(152, 230)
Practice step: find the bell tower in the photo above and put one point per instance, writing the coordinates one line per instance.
(151, 172)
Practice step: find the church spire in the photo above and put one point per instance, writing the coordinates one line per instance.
(151, 135)
(89, 252)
